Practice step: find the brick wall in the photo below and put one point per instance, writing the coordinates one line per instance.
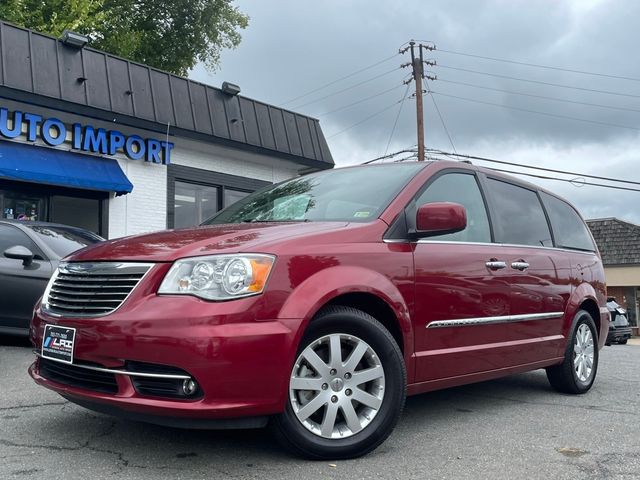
(617, 292)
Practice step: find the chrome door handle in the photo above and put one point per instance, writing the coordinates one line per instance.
(495, 264)
(522, 266)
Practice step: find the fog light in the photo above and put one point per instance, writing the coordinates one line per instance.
(189, 386)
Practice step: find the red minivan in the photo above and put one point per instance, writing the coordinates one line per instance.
(319, 303)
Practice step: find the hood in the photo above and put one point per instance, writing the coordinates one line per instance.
(169, 245)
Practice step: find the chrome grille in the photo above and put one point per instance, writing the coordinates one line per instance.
(91, 289)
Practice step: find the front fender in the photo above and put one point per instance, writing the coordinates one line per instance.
(319, 289)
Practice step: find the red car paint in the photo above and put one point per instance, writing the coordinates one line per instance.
(241, 351)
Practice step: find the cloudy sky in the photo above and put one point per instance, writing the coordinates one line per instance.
(293, 47)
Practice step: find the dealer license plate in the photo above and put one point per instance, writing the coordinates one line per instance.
(57, 343)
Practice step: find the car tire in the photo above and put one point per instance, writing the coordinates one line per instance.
(622, 342)
(331, 431)
(578, 370)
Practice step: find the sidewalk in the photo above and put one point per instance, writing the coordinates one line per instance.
(634, 341)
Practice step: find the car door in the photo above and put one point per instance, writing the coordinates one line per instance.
(21, 285)
(534, 271)
(461, 292)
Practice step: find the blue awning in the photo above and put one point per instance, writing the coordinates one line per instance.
(29, 163)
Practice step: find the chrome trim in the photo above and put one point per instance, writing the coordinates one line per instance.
(465, 322)
(496, 265)
(522, 266)
(485, 244)
(497, 244)
(119, 372)
(92, 268)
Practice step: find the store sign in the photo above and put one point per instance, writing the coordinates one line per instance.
(84, 138)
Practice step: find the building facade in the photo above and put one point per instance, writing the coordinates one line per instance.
(96, 141)
(619, 245)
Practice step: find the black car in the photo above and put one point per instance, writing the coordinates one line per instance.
(31, 252)
(619, 328)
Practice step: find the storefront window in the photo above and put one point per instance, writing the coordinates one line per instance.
(194, 203)
(77, 212)
(23, 207)
(232, 196)
(54, 204)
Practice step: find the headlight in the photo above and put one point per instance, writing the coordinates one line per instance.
(218, 277)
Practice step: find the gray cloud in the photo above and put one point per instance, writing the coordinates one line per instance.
(294, 46)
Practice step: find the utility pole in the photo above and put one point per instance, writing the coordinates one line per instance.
(417, 64)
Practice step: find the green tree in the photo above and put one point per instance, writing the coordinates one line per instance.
(53, 16)
(172, 35)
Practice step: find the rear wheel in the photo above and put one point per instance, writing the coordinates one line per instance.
(346, 389)
(578, 370)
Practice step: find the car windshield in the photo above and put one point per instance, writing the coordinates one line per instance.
(343, 194)
(64, 240)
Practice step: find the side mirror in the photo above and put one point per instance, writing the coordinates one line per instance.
(19, 252)
(439, 218)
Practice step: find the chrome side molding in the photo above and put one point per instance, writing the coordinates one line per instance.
(465, 322)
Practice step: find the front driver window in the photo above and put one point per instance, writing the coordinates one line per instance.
(460, 188)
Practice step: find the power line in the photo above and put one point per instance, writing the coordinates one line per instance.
(364, 119)
(390, 155)
(615, 187)
(395, 123)
(533, 167)
(556, 99)
(544, 177)
(539, 82)
(537, 65)
(359, 101)
(555, 115)
(346, 89)
(340, 79)
(444, 125)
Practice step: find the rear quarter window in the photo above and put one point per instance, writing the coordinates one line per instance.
(569, 230)
(520, 217)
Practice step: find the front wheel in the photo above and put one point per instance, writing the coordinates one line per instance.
(578, 370)
(347, 387)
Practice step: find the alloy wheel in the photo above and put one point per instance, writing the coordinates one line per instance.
(583, 353)
(337, 386)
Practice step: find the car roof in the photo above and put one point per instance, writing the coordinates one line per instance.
(28, 223)
(467, 165)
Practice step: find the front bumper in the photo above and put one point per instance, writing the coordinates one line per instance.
(241, 364)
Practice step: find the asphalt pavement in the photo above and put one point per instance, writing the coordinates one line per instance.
(512, 428)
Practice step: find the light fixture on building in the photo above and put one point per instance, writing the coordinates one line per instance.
(230, 88)
(73, 39)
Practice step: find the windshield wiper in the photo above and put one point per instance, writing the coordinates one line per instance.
(284, 220)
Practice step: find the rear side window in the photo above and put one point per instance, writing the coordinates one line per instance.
(568, 228)
(460, 188)
(520, 217)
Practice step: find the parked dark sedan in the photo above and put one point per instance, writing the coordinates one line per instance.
(31, 252)
(619, 328)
